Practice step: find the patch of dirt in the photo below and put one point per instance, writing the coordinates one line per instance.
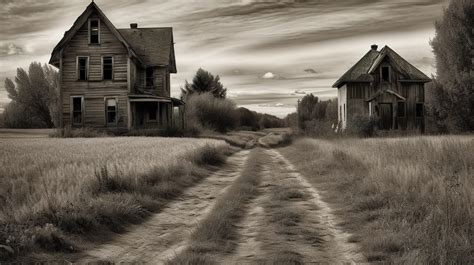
(166, 233)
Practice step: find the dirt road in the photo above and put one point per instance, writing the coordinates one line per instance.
(287, 221)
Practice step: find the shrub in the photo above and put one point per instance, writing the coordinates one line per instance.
(363, 126)
(206, 111)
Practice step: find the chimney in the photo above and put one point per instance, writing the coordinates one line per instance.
(374, 47)
(133, 25)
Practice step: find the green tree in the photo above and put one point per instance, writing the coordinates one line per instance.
(453, 96)
(204, 82)
(34, 98)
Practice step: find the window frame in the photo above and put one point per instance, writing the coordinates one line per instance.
(106, 111)
(72, 112)
(404, 109)
(102, 67)
(389, 73)
(89, 31)
(78, 71)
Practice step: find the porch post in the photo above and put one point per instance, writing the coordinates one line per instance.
(129, 114)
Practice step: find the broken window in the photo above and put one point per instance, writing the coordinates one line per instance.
(94, 31)
(77, 110)
(385, 73)
(107, 68)
(82, 68)
(111, 111)
(149, 77)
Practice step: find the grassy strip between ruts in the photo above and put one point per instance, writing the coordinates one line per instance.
(284, 221)
(406, 201)
(217, 233)
(108, 203)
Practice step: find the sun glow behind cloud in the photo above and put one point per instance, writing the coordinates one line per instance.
(242, 41)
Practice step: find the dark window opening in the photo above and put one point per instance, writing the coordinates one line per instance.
(344, 111)
(107, 68)
(111, 111)
(385, 74)
(77, 110)
(419, 110)
(401, 109)
(82, 65)
(94, 32)
(149, 77)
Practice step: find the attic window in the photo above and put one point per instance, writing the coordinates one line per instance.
(94, 31)
(385, 73)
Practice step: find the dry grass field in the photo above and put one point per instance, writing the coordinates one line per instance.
(51, 187)
(406, 200)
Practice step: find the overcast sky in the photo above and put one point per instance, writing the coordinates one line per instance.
(268, 53)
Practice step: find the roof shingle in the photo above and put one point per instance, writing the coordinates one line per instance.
(362, 70)
(152, 45)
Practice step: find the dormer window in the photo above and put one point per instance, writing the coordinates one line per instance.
(94, 31)
(385, 74)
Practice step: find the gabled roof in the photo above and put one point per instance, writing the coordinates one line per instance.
(153, 45)
(68, 35)
(147, 46)
(362, 70)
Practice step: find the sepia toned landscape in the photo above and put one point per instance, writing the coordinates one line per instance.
(357, 154)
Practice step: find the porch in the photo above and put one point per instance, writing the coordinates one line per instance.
(153, 112)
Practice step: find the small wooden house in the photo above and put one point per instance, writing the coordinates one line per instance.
(384, 85)
(115, 79)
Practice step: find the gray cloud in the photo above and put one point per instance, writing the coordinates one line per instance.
(10, 49)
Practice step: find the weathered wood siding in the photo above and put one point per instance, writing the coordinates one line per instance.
(357, 106)
(161, 81)
(95, 89)
(342, 102)
(412, 91)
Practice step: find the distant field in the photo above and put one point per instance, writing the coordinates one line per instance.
(406, 200)
(68, 182)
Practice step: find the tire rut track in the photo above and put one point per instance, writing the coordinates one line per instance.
(166, 233)
(300, 227)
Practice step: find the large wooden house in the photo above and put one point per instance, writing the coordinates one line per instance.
(115, 79)
(384, 85)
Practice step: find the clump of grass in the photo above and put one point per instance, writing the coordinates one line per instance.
(217, 233)
(84, 132)
(406, 200)
(47, 212)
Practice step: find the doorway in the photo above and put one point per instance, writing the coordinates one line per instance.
(386, 116)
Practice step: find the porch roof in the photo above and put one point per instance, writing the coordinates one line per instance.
(152, 98)
(380, 92)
